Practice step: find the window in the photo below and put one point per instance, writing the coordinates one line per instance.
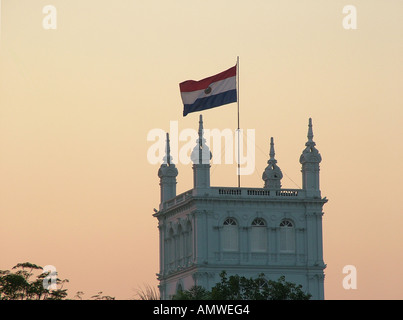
(230, 222)
(230, 235)
(287, 236)
(286, 223)
(258, 222)
(258, 236)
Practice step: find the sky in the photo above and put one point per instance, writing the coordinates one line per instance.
(77, 103)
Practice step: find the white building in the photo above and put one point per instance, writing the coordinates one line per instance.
(244, 231)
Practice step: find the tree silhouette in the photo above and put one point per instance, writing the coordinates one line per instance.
(241, 288)
(17, 285)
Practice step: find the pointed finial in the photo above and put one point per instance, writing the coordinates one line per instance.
(200, 128)
(167, 168)
(310, 153)
(167, 174)
(272, 153)
(167, 158)
(310, 131)
(310, 160)
(168, 151)
(201, 139)
(310, 142)
(201, 153)
(272, 175)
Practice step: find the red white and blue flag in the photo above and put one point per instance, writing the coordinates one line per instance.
(210, 92)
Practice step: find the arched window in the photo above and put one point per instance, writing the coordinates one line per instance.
(258, 236)
(287, 236)
(230, 235)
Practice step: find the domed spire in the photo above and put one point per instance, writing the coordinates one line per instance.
(167, 158)
(200, 157)
(272, 175)
(310, 159)
(201, 153)
(272, 153)
(167, 174)
(310, 153)
(310, 131)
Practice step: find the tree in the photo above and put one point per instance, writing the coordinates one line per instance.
(241, 288)
(148, 293)
(99, 296)
(19, 285)
(194, 293)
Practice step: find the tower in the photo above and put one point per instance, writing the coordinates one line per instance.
(245, 231)
(167, 174)
(200, 157)
(310, 159)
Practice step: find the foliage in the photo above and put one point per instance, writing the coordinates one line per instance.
(194, 293)
(99, 296)
(241, 288)
(17, 285)
(22, 284)
(148, 293)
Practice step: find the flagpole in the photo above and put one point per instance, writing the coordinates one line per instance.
(237, 82)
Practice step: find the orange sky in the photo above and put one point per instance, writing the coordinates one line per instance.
(76, 104)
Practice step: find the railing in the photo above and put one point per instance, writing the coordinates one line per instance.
(258, 193)
(287, 193)
(179, 198)
(254, 192)
(228, 191)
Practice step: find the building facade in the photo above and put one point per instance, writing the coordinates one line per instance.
(244, 231)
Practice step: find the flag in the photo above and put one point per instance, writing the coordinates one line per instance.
(210, 92)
